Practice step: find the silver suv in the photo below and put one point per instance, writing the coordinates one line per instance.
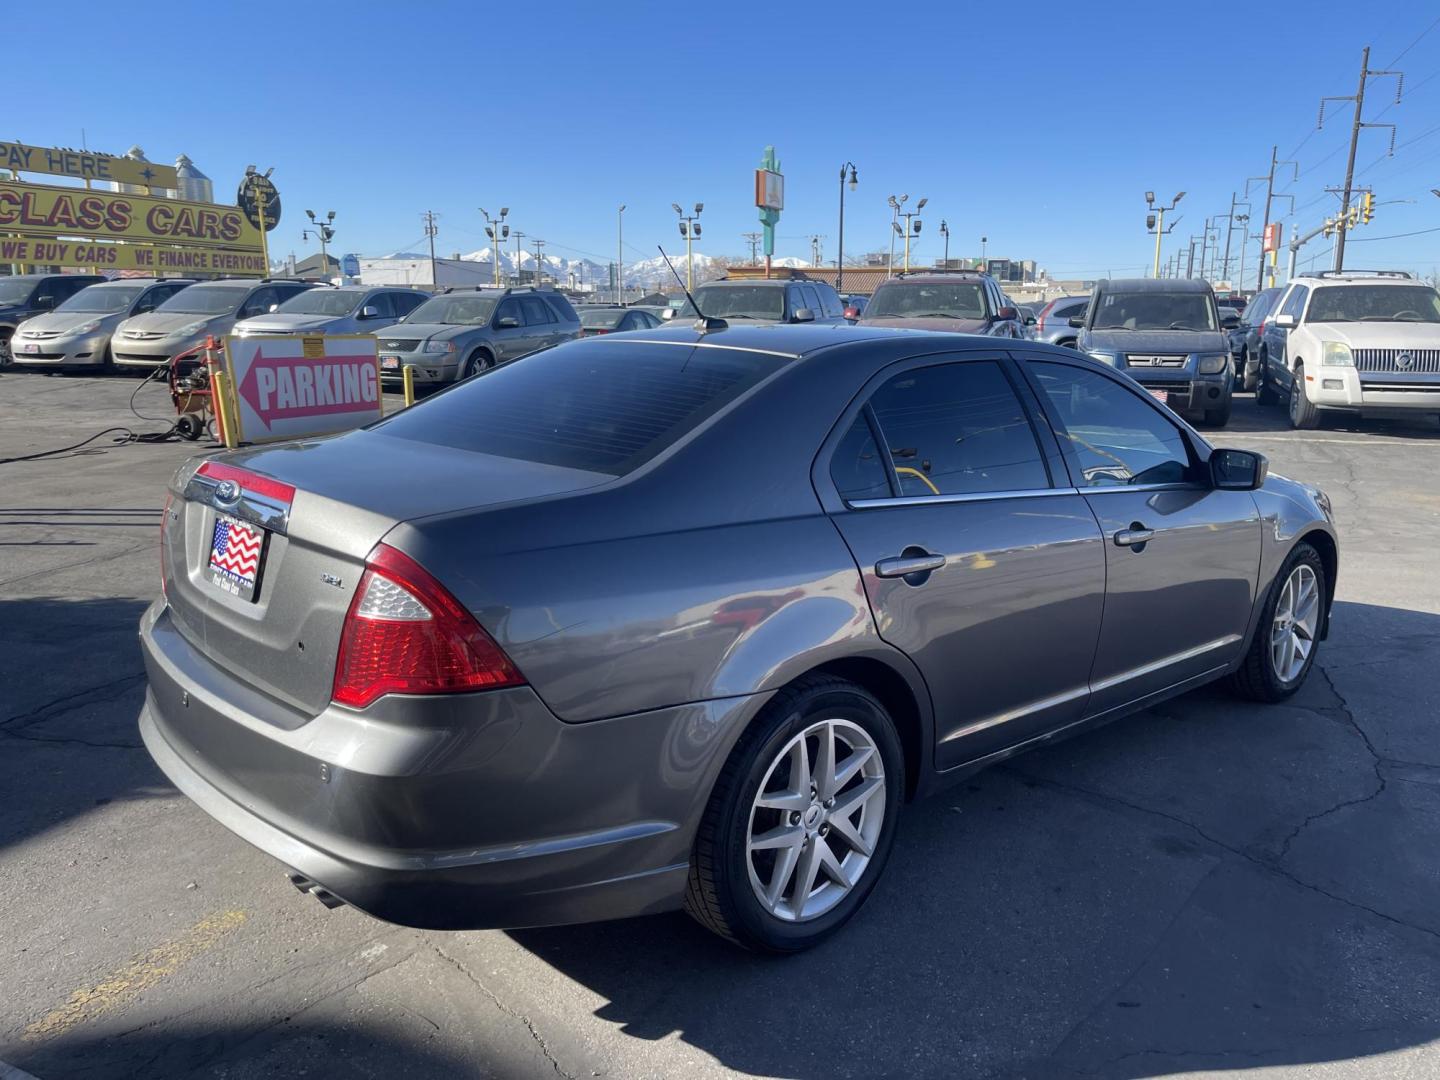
(348, 309)
(188, 318)
(77, 333)
(462, 332)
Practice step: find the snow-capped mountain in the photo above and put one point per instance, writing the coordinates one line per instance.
(653, 273)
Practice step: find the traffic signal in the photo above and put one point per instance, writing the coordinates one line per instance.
(1329, 229)
(1367, 207)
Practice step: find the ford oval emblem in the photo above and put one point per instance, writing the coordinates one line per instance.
(1404, 361)
(227, 492)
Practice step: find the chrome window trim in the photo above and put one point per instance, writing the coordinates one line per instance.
(1144, 487)
(972, 496)
(703, 345)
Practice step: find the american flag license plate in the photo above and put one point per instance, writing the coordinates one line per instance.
(236, 549)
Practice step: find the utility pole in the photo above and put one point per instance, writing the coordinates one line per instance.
(1190, 260)
(539, 264)
(815, 249)
(620, 255)
(518, 237)
(1356, 124)
(753, 239)
(1269, 179)
(1230, 219)
(497, 231)
(1155, 222)
(430, 231)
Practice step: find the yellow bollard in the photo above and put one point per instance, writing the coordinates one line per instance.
(409, 377)
(220, 397)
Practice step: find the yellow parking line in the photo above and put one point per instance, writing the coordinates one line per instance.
(120, 986)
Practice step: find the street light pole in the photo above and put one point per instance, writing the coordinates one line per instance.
(620, 255)
(689, 229)
(496, 230)
(895, 205)
(326, 233)
(945, 232)
(984, 263)
(840, 257)
(912, 229)
(1159, 223)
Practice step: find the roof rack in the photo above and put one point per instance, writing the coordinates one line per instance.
(948, 270)
(505, 290)
(1361, 273)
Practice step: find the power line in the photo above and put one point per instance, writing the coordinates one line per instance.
(1417, 40)
(1394, 236)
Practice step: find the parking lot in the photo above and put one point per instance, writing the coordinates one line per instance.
(1206, 888)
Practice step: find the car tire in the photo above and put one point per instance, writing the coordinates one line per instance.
(1259, 677)
(731, 876)
(1265, 393)
(1220, 416)
(1304, 416)
(476, 362)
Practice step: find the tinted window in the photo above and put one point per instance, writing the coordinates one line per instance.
(739, 301)
(509, 309)
(1117, 437)
(537, 312)
(603, 318)
(260, 302)
(1256, 309)
(16, 291)
(1067, 309)
(1294, 301)
(958, 429)
(592, 405)
(830, 301)
(563, 309)
(857, 468)
(407, 302)
(384, 305)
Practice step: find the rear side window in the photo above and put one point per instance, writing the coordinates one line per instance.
(958, 429)
(562, 307)
(537, 312)
(605, 409)
(857, 468)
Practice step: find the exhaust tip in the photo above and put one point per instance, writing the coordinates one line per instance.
(315, 889)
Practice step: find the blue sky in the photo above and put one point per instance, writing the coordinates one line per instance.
(1040, 125)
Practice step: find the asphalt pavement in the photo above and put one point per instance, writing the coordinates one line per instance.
(1210, 888)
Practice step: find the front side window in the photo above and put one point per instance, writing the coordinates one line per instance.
(958, 429)
(260, 303)
(1117, 438)
(1155, 310)
(509, 309)
(1256, 309)
(1374, 303)
(1294, 301)
(16, 292)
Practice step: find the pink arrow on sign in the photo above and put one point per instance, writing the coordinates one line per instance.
(293, 387)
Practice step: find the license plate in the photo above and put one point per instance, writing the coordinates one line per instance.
(1161, 395)
(390, 362)
(30, 348)
(236, 549)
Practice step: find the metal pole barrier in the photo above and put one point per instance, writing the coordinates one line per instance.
(221, 383)
(408, 374)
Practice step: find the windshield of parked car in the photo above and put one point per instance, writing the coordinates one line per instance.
(15, 292)
(103, 299)
(321, 302)
(1155, 311)
(739, 302)
(928, 300)
(454, 311)
(1374, 303)
(206, 300)
(603, 405)
(602, 318)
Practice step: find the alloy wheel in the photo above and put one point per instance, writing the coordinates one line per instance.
(816, 820)
(1293, 629)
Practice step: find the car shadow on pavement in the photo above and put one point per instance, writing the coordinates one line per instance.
(73, 684)
(1208, 885)
(1249, 416)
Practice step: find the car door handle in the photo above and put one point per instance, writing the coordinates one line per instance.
(1133, 537)
(905, 565)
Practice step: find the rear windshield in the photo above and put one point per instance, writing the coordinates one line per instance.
(1375, 303)
(602, 318)
(601, 405)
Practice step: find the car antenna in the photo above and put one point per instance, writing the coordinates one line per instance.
(704, 324)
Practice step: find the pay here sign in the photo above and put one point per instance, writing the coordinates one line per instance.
(291, 386)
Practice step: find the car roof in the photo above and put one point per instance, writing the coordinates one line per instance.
(1357, 277)
(929, 276)
(143, 281)
(799, 341)
(1170, 285)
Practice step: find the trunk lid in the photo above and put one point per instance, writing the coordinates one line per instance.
(281, 635)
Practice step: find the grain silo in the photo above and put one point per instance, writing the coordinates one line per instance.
(195, 186)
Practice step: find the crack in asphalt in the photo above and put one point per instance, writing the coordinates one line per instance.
(529, 1024)
(100, 694)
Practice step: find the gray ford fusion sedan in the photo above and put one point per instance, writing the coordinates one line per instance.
(682, 618)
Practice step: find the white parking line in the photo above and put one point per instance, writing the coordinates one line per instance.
(10, 1072)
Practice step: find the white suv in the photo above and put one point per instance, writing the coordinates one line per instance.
(1365, 342)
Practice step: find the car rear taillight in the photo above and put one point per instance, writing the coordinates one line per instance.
(1261, 328)
(405, 634)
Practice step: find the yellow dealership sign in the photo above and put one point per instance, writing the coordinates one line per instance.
(34, 210)
(151, 258)
(85, 165)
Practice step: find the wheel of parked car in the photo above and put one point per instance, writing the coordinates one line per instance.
(801, 820)
(1288, 630)
(1303, 415)
(1265, 393)
(475, 363)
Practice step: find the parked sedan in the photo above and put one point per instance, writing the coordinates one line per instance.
(346, 309)
(77, 333)
(612, 320)
(616, 654)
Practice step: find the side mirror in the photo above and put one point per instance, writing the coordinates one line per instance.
(803, 314)
(507, 322)
(45, 303)
(1077, 321)
(1284, 321)
(369, 311)
(1029, 320)
(1238, 470)
(668, 314)
(852, 313)
(1230, 322)
(271, 308)
(1007, 312)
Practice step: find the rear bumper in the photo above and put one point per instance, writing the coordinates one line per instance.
(467, 812)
